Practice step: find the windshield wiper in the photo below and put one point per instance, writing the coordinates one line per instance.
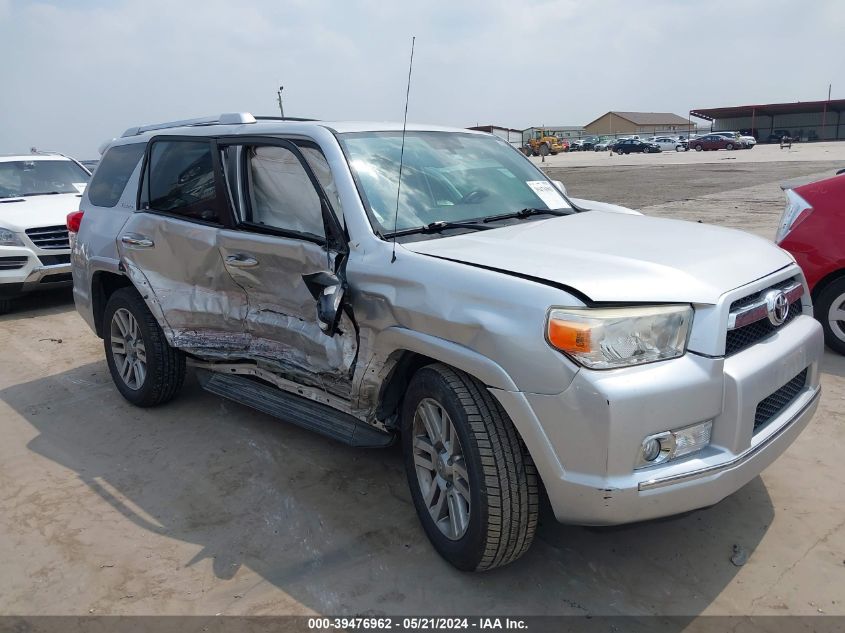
(42, 193)
(436, 227)
(526, 213)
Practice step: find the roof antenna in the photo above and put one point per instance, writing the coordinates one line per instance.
(402, 151)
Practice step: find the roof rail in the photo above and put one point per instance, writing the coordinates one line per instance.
(228, 118)
(283, 118)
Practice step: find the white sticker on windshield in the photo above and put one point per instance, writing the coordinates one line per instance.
(80, 186)
(548, 193)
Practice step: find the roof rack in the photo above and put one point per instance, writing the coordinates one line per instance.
(228, 118)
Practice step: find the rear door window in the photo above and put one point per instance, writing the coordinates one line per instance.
(113, 172)
(181, 177)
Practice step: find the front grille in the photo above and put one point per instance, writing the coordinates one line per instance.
(12, 263)
(750, 334)
(772, 405)
(49, 237)
(54, 260)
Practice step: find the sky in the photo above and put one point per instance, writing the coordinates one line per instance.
(76, 73)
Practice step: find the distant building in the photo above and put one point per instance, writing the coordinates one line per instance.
(640, 123)
(512, 136)
(807, 120)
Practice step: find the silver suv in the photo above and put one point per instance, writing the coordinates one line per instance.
(436, 287)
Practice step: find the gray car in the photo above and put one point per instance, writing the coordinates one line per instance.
(512, 338)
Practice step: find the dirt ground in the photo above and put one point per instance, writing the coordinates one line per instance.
(207, 507)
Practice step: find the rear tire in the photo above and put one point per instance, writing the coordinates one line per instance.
(829, 305)
(474, 486)
(144, 368)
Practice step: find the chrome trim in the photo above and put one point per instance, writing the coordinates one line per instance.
(758, 310)
(652, 484)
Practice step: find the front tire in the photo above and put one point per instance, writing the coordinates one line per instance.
(829, 309)
(144, 368)
(729, 146)
(474, 486)
(5, 306)
(698, 148)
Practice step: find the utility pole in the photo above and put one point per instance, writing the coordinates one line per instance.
(279, 96)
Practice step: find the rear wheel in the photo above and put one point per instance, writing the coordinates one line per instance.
(830, 311)
(473, 483)
(143, 366)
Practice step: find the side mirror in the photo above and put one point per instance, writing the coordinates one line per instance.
(840, 172)
(328, 289)
(560, 186)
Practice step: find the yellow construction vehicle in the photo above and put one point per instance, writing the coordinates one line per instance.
(543, 143)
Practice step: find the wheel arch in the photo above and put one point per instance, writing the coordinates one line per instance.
(825, 281)
(103, 285)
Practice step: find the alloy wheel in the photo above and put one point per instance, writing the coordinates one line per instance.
(128, 349)
(441, 469)
(836, 317)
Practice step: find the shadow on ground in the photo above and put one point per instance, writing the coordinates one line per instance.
(334, 527)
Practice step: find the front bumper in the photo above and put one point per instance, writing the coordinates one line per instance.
(585, 441)
(33, 274)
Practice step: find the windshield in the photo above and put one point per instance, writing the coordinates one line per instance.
(446, 177)
(20, 178)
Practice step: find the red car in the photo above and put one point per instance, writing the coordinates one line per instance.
(714, 141)
(812, 228)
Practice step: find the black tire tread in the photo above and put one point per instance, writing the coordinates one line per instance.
(166, 365)
(821, 306)
(512, 485)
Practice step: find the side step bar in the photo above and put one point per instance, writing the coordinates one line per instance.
(294, 409)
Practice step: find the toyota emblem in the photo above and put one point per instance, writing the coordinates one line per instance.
(777, 307)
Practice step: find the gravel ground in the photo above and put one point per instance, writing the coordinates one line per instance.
(206, 507)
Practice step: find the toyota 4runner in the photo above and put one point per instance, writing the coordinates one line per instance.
(434, 286)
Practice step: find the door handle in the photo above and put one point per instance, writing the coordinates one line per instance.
(139, 241)
(241, 260)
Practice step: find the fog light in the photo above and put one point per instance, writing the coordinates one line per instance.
(663, 447)
(651, 449)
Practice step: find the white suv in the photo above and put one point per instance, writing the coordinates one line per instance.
(36, 194)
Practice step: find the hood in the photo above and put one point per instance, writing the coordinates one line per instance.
(35, 211)
(611, 257)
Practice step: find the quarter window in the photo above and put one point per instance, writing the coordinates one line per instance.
(113, 173)
(181, 180)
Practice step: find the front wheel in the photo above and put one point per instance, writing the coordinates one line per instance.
(830, 311)
(698, 148)
(143, 366)
(729, 146)
(473, 484)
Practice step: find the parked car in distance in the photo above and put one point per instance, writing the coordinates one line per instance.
(511, 338)
(576, 146)
(667, 143)
(713, 142)
(778, 135)
(588, 143)
(604, 144)
(635, 145)
(36, 193)
(812, 228)
(740, 141)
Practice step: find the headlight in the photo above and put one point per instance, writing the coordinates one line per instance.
(9, 238)
(606, 338)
